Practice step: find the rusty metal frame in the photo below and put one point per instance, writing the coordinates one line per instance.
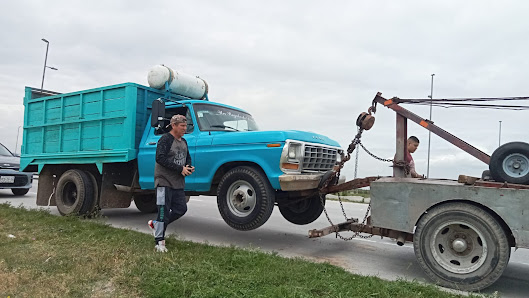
(391, 104)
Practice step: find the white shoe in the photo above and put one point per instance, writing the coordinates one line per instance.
(160, 247)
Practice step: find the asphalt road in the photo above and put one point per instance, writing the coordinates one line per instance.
(374, 256)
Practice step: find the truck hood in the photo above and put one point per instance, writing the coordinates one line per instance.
(245, 137)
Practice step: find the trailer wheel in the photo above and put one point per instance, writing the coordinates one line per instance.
(74, 193)
(146, 203)
(461, 246)
(510, 163)
(302, 211)
(245, 198)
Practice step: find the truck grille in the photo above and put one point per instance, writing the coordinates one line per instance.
(318, 158)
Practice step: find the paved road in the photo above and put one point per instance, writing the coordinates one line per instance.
(375, 256)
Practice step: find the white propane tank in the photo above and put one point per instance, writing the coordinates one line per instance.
(179, 83)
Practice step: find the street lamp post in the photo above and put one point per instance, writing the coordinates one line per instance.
(429, 132)
(499, 136)
(16, 144)
(45, 66)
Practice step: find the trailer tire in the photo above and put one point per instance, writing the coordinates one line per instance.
(510, 163)
(75, 193)
(19, 191)
(461, 246)
(146, 203)
(245, 198)
(302, 211)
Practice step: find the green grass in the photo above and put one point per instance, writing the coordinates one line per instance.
(54, 256)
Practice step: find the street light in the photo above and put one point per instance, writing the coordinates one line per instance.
(45, 66)
(16, 144)
(429, 132)
(499, 136)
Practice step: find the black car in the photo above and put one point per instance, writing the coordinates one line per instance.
(10, 177)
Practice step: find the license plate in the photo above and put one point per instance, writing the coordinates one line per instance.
(7, 179)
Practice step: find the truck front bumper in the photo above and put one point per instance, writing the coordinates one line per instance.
(292, 182)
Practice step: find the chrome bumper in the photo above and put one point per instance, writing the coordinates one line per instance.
(291, 182)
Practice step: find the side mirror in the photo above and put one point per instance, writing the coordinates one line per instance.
(158, 112)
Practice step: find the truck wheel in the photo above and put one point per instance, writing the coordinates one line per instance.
(461, 246)
(75, 193)
(245, 198)
(302, 211)
(510, 162)
(19, 191)
(94, 207)
(146, 203)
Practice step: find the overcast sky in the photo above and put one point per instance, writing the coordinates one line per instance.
(305, 65)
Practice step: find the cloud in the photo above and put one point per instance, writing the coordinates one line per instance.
(294, 65)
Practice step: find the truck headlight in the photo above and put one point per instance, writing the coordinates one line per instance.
(294, 152)
(339, 156)
(291, 157)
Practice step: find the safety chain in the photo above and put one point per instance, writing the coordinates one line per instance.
(336, 175)
(350, 150)
(400, 164)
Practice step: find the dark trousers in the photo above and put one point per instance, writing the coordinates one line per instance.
(171, 206)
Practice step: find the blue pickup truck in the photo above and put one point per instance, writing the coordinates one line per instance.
(96, 149)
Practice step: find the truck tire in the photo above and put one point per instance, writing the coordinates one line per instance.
(461, 246)
(245, 198)
(75, 193)
(94, 207)
(146, 203)
(510, 163)
(302, 211)
(19, 191)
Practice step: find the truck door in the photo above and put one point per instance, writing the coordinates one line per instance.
(147, 148)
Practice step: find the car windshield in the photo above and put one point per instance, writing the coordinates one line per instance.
(213, 117)
(4, 151)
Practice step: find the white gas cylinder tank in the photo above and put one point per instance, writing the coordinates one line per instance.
(179, 82)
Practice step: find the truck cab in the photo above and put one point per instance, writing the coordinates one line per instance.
(249, 170)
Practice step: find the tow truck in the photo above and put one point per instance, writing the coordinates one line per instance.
(462, 231)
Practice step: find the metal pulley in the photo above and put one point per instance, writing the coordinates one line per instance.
(365, 120)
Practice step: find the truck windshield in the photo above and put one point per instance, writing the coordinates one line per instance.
(213, 117)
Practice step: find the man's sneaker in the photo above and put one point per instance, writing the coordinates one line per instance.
(150, 223)
(160, 247)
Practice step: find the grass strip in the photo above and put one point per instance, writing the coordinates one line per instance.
(42, 255)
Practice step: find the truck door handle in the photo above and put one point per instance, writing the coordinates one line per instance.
(152, 143)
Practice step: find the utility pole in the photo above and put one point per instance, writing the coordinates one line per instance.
(429, 132)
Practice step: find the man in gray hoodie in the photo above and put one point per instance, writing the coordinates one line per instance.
(173, 164)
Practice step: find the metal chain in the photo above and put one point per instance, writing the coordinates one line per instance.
(400, 164)
(374, 156)
(350, 150)
(354, 143)
(355, 234)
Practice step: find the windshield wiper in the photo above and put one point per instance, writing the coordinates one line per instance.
(224, 126)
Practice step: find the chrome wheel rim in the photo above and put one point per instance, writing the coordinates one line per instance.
(458, 247)
(241, 198)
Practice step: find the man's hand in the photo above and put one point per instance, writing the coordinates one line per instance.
(187, 170)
